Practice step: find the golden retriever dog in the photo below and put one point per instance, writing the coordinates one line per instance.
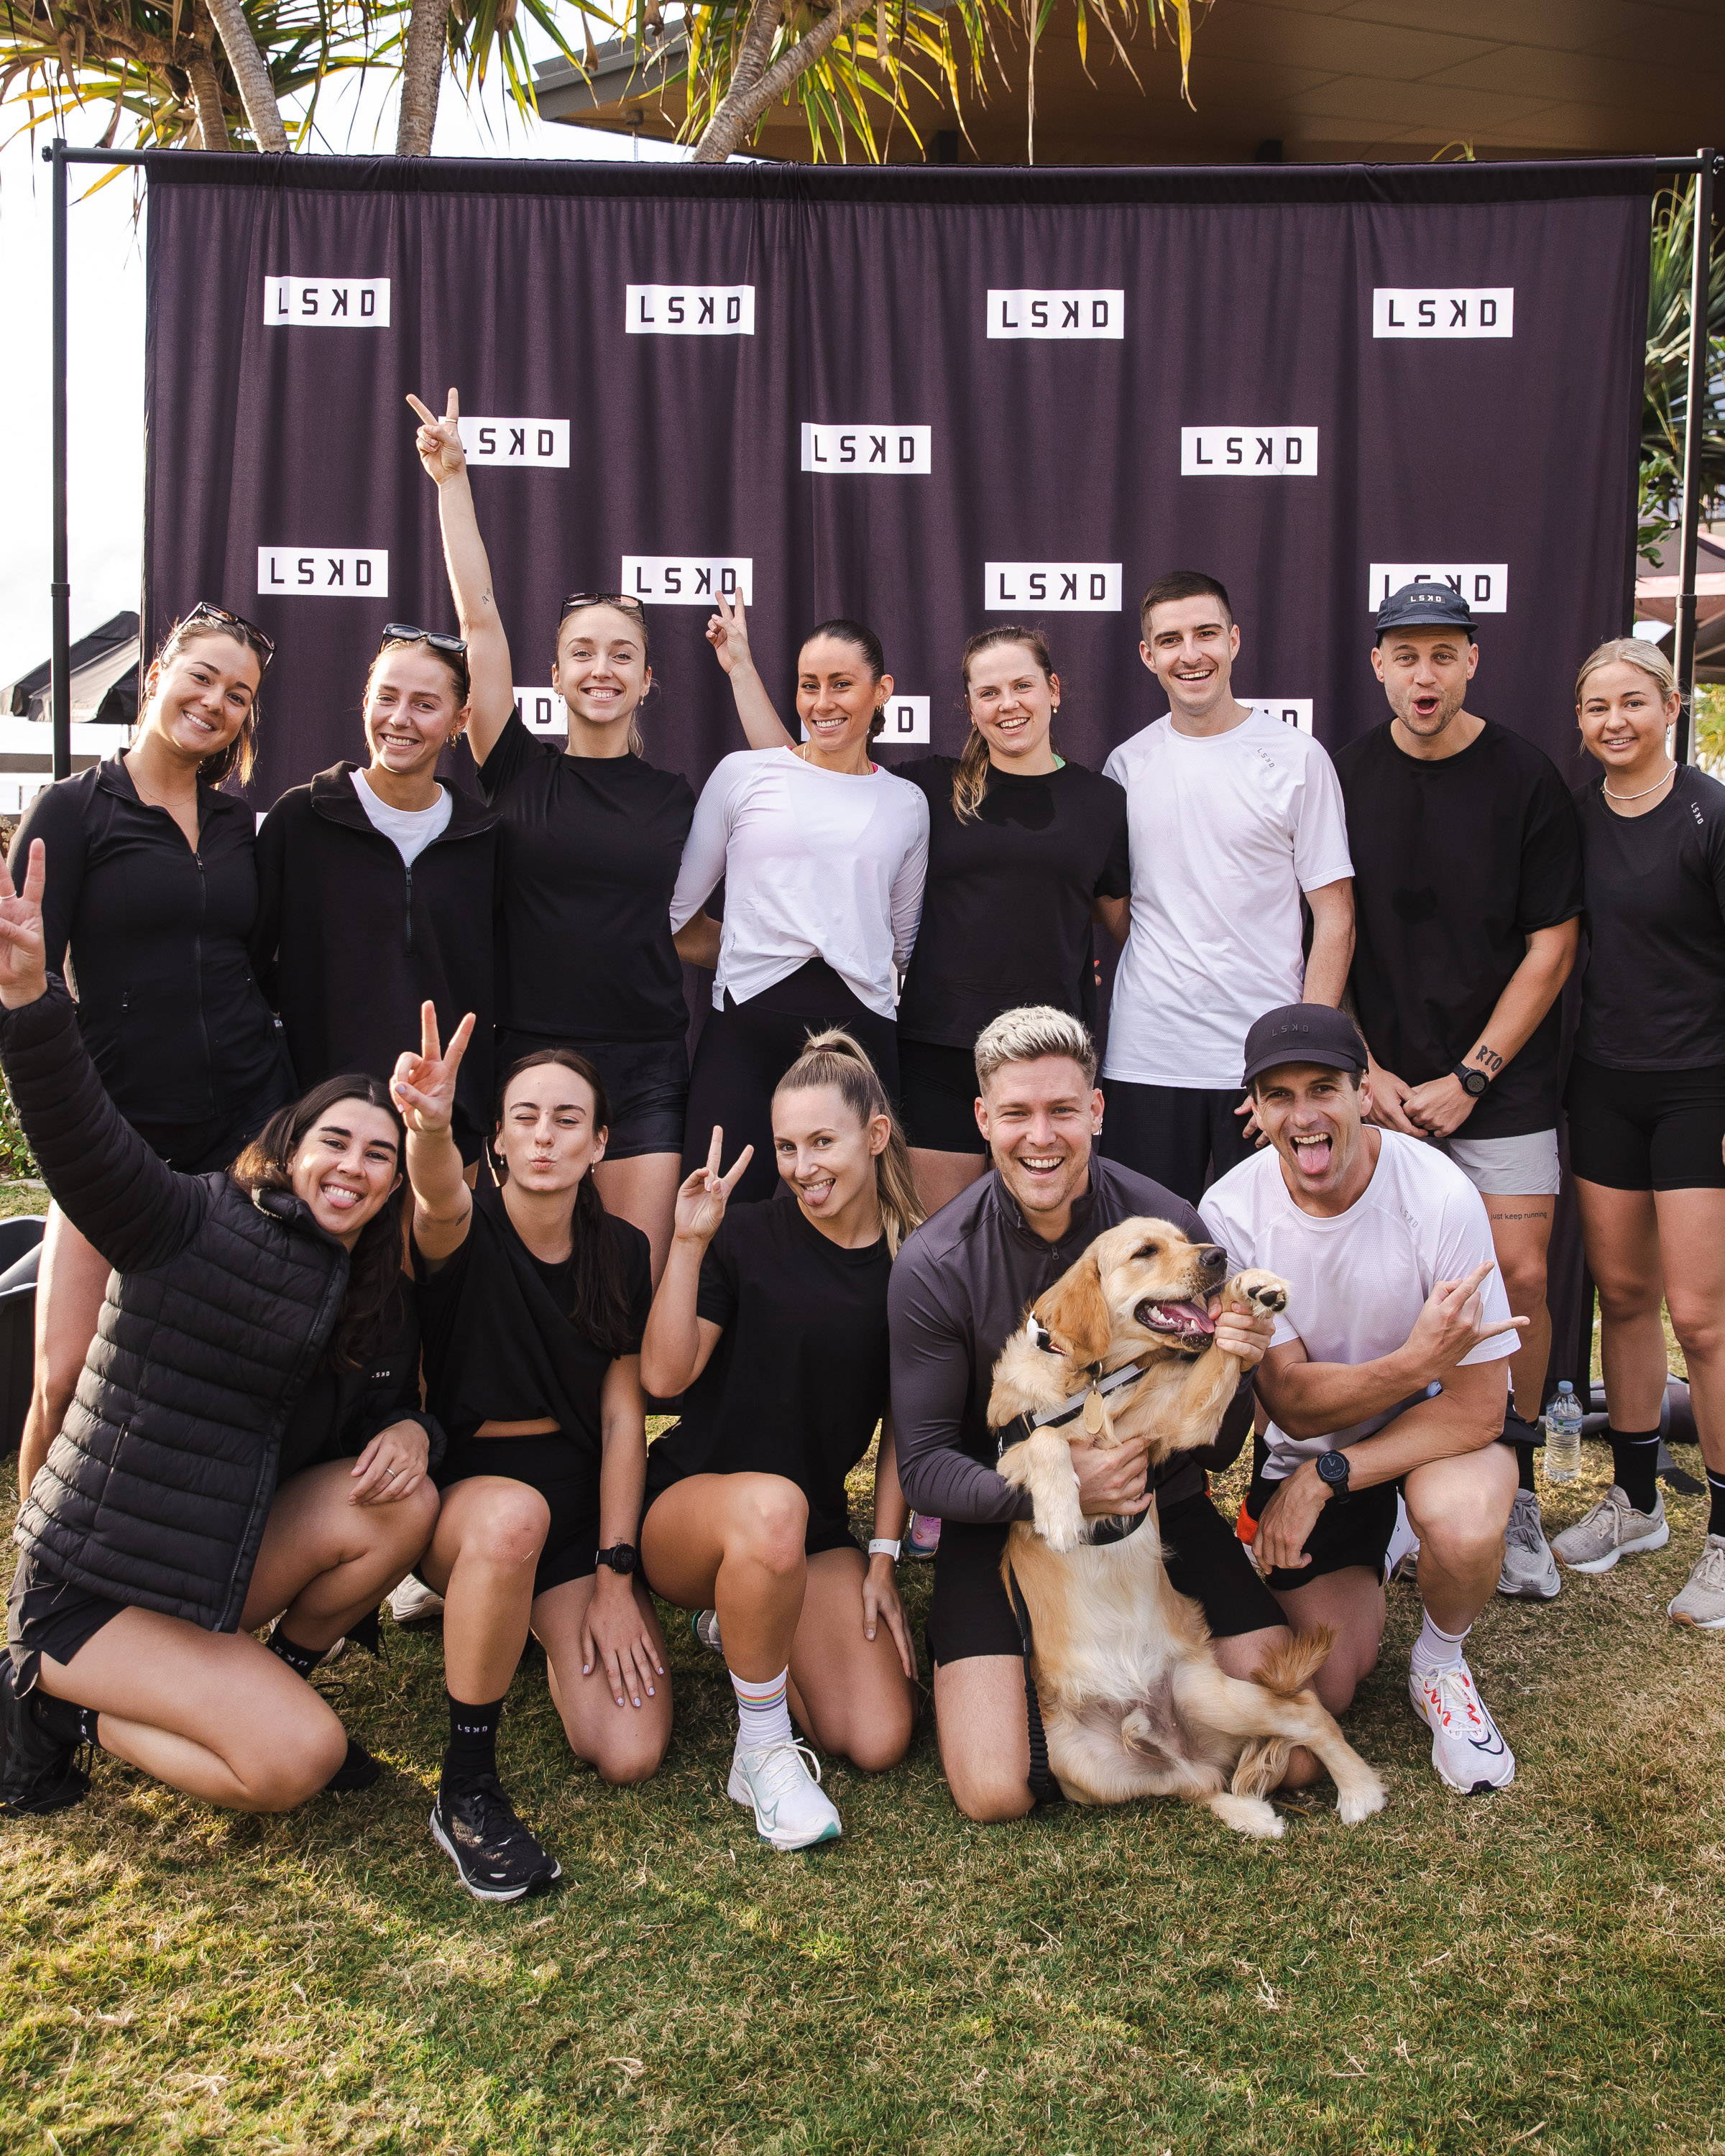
(1134, 1703)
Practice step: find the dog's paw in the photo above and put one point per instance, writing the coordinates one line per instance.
(1359, 1803)
(1255, 1291)
(1062, 1529)
(1252, 1815)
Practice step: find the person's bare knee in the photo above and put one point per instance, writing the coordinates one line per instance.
(507, 1528)
(878, 1742)
(296, 1764)
(770, 1521)
(1303, 1769)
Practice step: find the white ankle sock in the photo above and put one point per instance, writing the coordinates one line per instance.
(762, 1717)
(1436, 1648)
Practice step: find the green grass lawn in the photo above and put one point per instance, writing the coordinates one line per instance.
(1538, 1971)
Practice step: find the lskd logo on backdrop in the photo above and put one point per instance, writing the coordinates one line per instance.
(867, 449)
(689, 311)
(689, 580)
(354, 303)
(1057, 586)
(543, 710)
(353, 572)
(1037, 314)
(1444, 311)
(544, 442)
(906, 723)
(1485, 585)
(1291, 711)
(1286, 452)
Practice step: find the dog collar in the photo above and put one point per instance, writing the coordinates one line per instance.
(1071, 1407)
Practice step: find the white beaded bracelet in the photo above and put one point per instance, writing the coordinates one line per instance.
(880, 1545)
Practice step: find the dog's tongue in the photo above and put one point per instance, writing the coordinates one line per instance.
(1190, 1315)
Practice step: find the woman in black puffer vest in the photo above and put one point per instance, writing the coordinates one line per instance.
(256, 1324)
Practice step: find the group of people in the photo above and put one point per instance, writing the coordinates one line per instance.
(386, 1200)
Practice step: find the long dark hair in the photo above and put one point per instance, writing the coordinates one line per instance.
(375, 1270)
(599, 1303)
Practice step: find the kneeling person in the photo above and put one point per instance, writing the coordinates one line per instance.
(1389, 1371)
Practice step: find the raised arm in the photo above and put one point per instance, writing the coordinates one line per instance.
(678, 1343)
(728, 631)
(439, 442)
(423, 1089)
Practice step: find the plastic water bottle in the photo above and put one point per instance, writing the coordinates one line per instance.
(1563, 1434)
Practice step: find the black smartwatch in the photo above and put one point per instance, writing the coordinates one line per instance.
(1471, 1081)
(620, 1556)
(1333, 1471)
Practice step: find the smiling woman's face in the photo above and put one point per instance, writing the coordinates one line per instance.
(347, 1165)
(203, 694)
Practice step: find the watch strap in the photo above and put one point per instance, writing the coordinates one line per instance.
(883, 1546)
(1472, 1081)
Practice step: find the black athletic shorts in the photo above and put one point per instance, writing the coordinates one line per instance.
(1356, 1530)
(821, 1534)
(1181, 1136)
(203, 1149)
(970, 1614)
(1646, 1130)
(646, 1087)
(564, 1474)
(938, 1093)
(45, 1615)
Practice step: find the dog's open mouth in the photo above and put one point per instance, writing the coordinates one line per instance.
(1185, 1324)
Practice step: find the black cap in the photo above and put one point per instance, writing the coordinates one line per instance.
(1425, 603)
(1304, 1033)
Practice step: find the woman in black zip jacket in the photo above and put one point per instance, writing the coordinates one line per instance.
(152, 896)
(414, 861)
(258, 1322)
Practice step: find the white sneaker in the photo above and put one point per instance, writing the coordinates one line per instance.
(1401, 1560)
(1611, 1529)
(783, 1782)
(413, 1602)
(1530, 1571)
(1702, 1604)
(1467, 1747)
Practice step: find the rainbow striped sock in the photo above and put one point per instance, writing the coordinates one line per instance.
(762, 1717)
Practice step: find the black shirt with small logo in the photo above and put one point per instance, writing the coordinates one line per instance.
(1006, 909)
(1653, 997)
(591, 846)
(1455, 864)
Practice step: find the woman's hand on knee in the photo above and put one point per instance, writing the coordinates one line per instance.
(391, 1466)
(881, 1604)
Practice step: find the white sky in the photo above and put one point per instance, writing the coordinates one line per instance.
(105, 375)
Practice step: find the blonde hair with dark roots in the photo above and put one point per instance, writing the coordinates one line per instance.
(1629, 651)
(834, 1058)
(970, 779)
(1029, 1032)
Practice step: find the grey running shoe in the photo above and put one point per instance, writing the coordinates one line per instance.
(704, 1627)
(1530, 1571)
(1614, 1528)
(1702, 1604)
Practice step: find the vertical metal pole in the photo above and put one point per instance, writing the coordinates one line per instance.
(1694, 428)
(60, 589)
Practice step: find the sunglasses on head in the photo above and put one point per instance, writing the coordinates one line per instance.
(248, 631)
(404, 632)
(576, 600)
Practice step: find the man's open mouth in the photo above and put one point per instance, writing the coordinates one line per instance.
(1183, 1324)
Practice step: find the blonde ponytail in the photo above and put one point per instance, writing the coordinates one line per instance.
(835, 1058)
(970, 777)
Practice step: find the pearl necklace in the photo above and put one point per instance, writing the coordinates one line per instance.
(1644, 791)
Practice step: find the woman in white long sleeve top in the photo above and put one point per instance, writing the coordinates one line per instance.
(822, 853)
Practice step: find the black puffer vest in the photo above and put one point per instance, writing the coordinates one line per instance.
(157, 1491)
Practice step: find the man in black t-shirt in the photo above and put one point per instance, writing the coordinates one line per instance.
(959, 1288)
(1467, 899)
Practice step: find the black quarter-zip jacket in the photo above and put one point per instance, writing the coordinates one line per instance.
(350, 941)
(157, 937)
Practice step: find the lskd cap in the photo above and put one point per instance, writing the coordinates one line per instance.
(1425, 603)
(1304, 1033)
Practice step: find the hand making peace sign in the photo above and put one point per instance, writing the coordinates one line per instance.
(423, 1085)
(23, 965)
(728, 631)
(438, 441)
(703, 1195)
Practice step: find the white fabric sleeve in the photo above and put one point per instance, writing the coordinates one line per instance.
(908, 882)
(704, 850)
(1321, 853)
(1464, 1243)
(1223, 1224)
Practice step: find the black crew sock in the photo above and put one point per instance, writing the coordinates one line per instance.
(62, 1720)
(302, 1660)
(1716, 1496)
(1635, 1465)
(472, 1752)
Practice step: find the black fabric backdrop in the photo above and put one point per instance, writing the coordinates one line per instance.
(1247, 303)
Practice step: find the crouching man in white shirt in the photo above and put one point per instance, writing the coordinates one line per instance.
(1387, 1372)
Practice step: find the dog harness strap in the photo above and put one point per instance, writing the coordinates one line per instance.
(1045, 1789)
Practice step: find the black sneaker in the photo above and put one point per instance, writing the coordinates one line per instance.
(38, 1773)
(498, 1860)
(357, 1771)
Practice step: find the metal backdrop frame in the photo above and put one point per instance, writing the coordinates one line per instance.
(1703, 165)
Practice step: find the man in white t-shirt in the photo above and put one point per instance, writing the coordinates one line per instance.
(1387, 1372)
(1232, 815)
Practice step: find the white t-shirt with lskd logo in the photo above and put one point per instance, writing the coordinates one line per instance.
(1357, 1281)
(1226, 831)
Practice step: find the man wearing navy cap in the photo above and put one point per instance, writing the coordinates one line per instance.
(1385, 1373)
(1467, 898)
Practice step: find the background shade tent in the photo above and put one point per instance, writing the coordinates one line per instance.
(935, 398)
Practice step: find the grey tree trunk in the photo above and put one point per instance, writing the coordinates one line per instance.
(257, 93)
(206, 98)
(754, 86)
(422, 74)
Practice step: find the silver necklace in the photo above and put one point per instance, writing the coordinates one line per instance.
(1644, 791)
